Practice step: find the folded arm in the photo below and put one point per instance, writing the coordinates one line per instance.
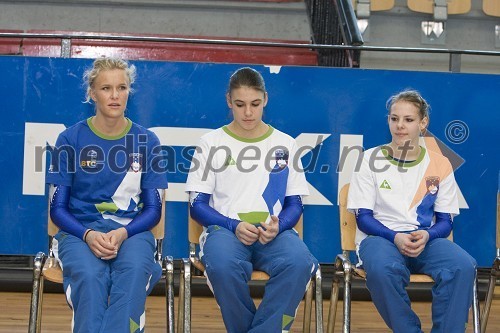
(291, 212)
(60, 214)
(442, 226)
(206, 215)
(371, 226)
(150, 213)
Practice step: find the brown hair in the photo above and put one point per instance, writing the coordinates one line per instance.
(413, 97)
(246, 77)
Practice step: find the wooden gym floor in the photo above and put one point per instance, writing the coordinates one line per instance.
(15, 306)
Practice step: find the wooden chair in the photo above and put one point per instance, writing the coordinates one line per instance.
(491, 8)
(377, 5)
(427, 6)
(494, 273)
(193, 262)
(343, 267)
(47, 268)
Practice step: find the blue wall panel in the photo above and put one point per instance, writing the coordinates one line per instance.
(40, 93)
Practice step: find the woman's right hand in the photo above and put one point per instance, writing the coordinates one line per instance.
(408, 244)
(247, 233)
(100, 244)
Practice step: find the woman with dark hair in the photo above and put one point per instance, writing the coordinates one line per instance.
(246, 185)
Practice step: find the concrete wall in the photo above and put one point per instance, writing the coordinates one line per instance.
(286, 21)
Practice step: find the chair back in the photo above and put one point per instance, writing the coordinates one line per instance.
(492, 8)
(347, 222)
(453, 6)
(377, 5)
(195, 229)
(159, 229)
(52, 229)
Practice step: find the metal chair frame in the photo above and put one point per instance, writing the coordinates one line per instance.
(46, 267)
(344, 268)
(193, 262)
(494, 275)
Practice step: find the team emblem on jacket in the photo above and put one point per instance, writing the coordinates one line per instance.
(281, 156)
(432, 184)
(91, 161)
(135, 161)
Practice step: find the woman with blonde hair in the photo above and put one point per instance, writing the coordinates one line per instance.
(405, 197)
(107, 183)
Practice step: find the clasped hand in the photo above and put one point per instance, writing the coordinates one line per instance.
(106, 245)
(248, 233)
(411, 244)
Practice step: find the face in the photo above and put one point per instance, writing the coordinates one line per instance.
(110, 93)
(247, 105)
(405, 123)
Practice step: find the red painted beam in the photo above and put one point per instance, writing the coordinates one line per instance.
(10, 46)
(172, 51)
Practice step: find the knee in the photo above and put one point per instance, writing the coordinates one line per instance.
(463, 266)
(387, 273)
(301, 265)
(226, 267)
(460, 260)
(90, 283)
(88, 277)
(296, 258)
(468, 266)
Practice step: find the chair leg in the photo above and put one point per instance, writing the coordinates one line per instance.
(308, 307)
(319, 301)
(169, 287)
(184, 319)
(37, 294)
(332, 310)
(347, 299)
(475, 307)
(180, 315)
(489, 294)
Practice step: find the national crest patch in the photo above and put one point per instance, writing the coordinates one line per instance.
(432, 184)
(281, 156)
(135, 161)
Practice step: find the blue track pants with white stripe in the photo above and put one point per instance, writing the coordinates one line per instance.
(108, 295)
(388, 274)
(229, 265)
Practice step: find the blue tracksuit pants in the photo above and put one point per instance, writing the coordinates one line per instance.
(388, 274)
(108, 296)
(229, 265)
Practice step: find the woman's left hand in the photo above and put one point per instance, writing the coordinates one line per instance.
(419, 240)
(116, 237)
(269, 231)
